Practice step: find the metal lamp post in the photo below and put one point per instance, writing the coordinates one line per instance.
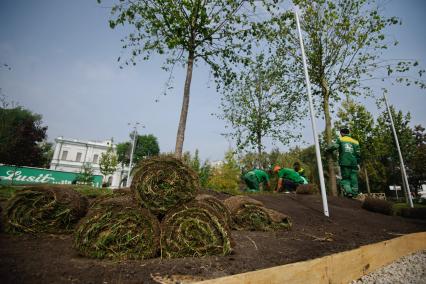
(131, 152)
(312, 111)
(401, 160)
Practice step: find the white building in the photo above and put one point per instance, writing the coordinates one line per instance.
(71, 154)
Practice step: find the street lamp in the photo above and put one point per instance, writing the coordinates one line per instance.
(135, 132)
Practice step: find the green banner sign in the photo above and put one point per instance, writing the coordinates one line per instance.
(25, 175)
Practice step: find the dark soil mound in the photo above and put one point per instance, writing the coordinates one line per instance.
(52, 259)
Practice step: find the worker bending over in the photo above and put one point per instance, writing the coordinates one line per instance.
(256, 180)
(288, 179)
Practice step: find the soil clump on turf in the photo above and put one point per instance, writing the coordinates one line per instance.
(46, 258)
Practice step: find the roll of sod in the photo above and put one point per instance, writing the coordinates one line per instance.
(279, 221)
(117, 229)
(44, 208)
(306, 189)
(378, 205)
(217, 205)
(250, 214)
(162, 182)
(194, 229)
(125, 195)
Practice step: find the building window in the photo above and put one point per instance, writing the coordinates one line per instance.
(64, 155)
(95, 158)
(78, 158)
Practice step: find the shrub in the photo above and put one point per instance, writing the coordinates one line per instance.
(417, 213)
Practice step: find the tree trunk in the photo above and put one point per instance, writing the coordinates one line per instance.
(259, 149)
(366, 180)
(328, 137)
(185, 104)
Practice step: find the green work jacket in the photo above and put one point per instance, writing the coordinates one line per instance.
(290, 174)
(261, 176)
(349, 153)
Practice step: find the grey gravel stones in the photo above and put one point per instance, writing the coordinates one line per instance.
(409, 269)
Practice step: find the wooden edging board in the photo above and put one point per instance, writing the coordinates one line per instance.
(336, 268)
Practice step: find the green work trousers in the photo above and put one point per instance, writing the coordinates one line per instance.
(349, 182)
(251, 181)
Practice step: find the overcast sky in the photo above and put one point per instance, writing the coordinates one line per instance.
(64, 66)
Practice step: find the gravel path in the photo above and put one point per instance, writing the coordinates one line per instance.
(409, 269)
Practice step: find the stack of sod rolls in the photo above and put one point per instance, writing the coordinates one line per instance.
(44, 208)
(250, 214)
(160, 216)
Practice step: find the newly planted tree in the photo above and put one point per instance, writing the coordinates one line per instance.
(259, 105)
(108, 162)
(214, 32)
(146, 146)
(345, 41)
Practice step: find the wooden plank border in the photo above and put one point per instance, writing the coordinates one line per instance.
(336, 268)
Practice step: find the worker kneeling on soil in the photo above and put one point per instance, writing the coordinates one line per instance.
(349, 159)
(288, 179)
(255, 179)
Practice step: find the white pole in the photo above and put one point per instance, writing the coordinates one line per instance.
(314, 129)
(404, 173)
(396, 191)
(131, 157)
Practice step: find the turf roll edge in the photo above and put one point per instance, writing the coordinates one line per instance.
(251, 215)
(162, 182)
(44, 208)
(194, 229)
(117, 229)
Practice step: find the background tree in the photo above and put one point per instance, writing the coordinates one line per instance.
(145, 146)
(22, 137)
(226, 177)
(344, 41)
(258, 105)
(86, 174)
(108, 162)
(388, 165)
(417, 164)
(123, 153)
(202, 169)
(249, 160)
(47, 153)
(216, 32)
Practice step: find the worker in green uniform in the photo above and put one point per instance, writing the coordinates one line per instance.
(349, 160)
(298, 168)
(288, 179)
(301, 171)
(255, 179)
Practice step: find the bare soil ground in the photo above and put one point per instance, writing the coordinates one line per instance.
(51, 258)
